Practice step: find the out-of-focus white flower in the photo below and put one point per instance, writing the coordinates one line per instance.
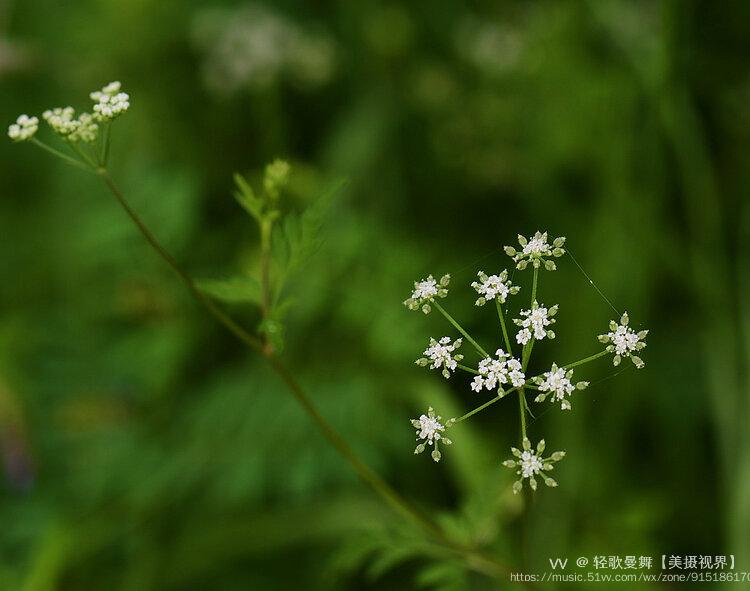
(441, 354)
(490, 287)
(63, 122)
(86, 129)
(23, 129)
(535, 322)
(623, 341)
(498, 371)
(110, 102)
(557, 384)
(530, 464)
(252, 46)
(426, 291)
(430, 431)
(536, 251)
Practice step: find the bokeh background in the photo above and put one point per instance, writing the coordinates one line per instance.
(143, 448)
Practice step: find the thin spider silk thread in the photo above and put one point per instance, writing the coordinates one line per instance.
(591, 281)
(609, 303)
(592, 384)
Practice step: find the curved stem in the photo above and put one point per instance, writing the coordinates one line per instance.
(460, 329)
(474, 559)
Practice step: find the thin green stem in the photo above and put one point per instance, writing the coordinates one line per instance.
(105, 143)
(525, 357)
(469, 369)
(460, 329)
(586, 359)
(471, 413)
(59, 154)
(502, 324)
(85, 157)
(266, 225)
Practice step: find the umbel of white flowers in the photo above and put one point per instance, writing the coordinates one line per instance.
(109, 103)
(531, 465)
(426, 291)
(440, 354)
(490, 287)
(535, 323)
(503, 372)
(556, 384)
(430, 432)
(536, 251)
(623, 341)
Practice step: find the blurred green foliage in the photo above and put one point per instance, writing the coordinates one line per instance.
(144, 449)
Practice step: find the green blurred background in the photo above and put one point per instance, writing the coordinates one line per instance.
(144, 449)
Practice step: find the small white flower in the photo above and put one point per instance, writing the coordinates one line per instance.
(23, 129)
(623, 341)
(535, 322)
(441, 354)
(556, 383)
(109, 102)
(430, 431)
(426, 291)
(523, 336)
(86, 129)
(536, 250)
(490, 287)
(530, 464)
(515, 375)
(498, 371)
(61, 120)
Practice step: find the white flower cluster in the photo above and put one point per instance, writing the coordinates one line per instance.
(536, 251)
(531, 464)
(490, 287)
(623, 341)
(430, 431)
(499, 370)
(441, 354)
(535, 322)
(556, 383)
(23, 129)
(110, 102)
(63, 122)
(426, 291)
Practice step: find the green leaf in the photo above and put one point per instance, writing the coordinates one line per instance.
(235, 290)
(246, 197)
(298, 236)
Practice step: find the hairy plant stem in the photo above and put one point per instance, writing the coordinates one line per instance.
(474, 559)
(460, 329)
